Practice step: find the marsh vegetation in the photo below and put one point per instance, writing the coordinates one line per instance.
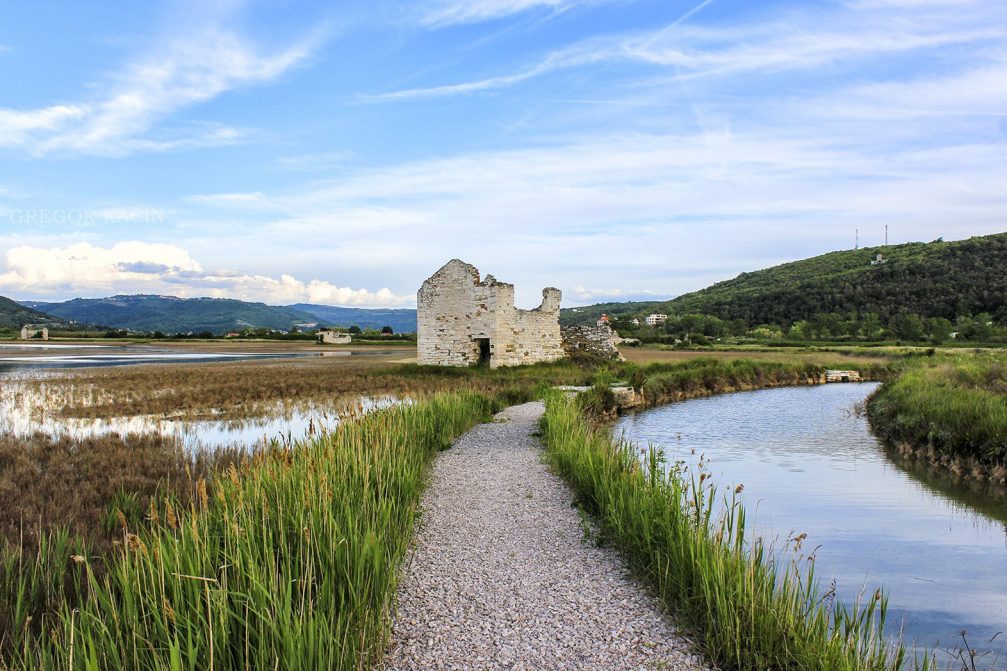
(135, 550)
(951, 410)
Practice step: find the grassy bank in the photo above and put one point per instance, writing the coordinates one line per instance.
(664, 383)
(752, 609)
(950, 410)
(288, 562)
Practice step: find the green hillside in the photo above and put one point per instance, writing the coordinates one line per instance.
(14, 315)
(933, 280)
(168, 314)
(401, 320)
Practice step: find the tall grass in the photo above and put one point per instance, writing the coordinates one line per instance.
(290, 562)
(752, 608)
(954, 406)
(662, 383)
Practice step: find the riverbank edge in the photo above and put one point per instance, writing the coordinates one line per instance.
(896, 415)
(747, 612)
(704, 378)
(961, 467)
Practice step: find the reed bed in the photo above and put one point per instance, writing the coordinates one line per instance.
(664, 383)
(289, 561)
(950, 409)
(246, 389)
(752, 608)
(77, 484)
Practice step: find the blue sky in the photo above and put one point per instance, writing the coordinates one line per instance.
(293, 151)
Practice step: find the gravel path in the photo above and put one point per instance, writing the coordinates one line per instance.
(501, 578)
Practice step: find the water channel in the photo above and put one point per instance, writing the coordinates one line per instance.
(810, 464)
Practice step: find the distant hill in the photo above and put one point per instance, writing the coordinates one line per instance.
(168, 314)
(401, 320)
(936, 279)
(14, 315)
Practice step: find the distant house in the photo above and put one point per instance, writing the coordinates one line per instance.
(655, 319)
(29, 332)
(879, 260)
(602, 320)
(334, 338)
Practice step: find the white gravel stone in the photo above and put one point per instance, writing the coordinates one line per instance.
(501, 577)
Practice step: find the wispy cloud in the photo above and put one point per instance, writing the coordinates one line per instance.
(797, 42)
(188, 71)
(134, 266)
(453, 12)
(624, 205)
(255, 198)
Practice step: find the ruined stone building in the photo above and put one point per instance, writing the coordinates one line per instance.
(334, 338)
(463, 320)
(29, 332)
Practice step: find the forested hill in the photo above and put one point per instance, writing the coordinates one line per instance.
(936, 279)
(168, 314)
(402, 320)
(14, 315)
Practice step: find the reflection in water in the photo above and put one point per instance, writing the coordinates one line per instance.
(143, 354)
(810, 464)
(26, 409)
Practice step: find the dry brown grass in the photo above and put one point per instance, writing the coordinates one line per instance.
(254, 388)
(49, 483)
(220, 390)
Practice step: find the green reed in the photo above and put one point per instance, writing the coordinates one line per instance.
(955, 405)
(707, 376)
(288, 562)
(752, 608)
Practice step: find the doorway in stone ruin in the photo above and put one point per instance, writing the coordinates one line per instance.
(484, 351)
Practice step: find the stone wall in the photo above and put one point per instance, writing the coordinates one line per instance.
(597, 341)
(29, 332)
(462, 320)
(334, 338)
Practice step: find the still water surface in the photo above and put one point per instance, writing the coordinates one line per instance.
(810, 464)
(26, 409)
(15, 358)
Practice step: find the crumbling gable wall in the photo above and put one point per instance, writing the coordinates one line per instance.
(458, 314)
(592, 341)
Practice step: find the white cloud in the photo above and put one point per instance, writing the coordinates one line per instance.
(84, 269)
(452, 12)
(188, 71)
(801, 41)
(642, 211)
(17, 128)
(581, 295)
(251, 198)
